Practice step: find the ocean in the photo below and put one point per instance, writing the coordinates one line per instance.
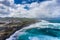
(43, 30)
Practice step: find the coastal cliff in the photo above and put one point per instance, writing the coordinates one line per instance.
(8, 27)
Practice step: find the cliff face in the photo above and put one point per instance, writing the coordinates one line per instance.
(7, 28)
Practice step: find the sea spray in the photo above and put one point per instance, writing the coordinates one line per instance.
(39, 31)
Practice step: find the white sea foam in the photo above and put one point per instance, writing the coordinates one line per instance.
(42, 24)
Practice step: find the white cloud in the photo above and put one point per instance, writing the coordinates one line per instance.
(44, 9)
(1, 0)
(47, 9)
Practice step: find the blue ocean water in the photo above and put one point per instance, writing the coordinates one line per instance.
(40, 34)
(54, 20)
(43, 30)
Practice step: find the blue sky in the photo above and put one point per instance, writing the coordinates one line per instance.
(30, 8)
(27, 1)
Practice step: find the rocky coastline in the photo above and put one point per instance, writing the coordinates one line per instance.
(8, 29)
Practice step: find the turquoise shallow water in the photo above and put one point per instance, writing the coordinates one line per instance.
(38, 31)
(40, 34)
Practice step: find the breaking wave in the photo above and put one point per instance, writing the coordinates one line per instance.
(43, 30)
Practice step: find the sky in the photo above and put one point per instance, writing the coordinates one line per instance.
(27, 1)
(30, 8)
